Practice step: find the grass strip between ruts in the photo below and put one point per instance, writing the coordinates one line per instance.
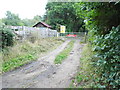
(63, 55)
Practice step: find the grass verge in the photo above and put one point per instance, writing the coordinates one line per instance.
(85, 77)
(63, 55)
(26, 52)
(16, 62)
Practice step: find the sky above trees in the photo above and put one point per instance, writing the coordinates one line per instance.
(24, 8)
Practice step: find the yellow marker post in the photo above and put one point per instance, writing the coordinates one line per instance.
(62, 29)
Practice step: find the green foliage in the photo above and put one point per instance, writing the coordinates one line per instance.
(31, 22)
(25, 52)
(28, 22)
(108, 48)
(1, 23)
(37, 18)
(99, 16)
(99, 19)
(12, 19)
(16, 62)
(63, 14)
(86, 76)
(63, 55)
(6, 37)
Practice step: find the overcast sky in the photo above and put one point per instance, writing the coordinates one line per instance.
(24, 8)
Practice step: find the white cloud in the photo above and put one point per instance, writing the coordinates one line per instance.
(25, 8)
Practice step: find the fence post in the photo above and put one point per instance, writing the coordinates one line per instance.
(85, 37)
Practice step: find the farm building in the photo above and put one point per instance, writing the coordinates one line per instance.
(42, 25)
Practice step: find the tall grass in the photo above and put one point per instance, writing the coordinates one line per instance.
(26, 51)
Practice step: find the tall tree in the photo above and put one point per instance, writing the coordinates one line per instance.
(27, 22)
(36, 19)
(12, 19)
(102, 16)
(31, 22)
(63, 14)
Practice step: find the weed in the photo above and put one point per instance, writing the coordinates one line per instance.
(25, 52)
(63, 55)
(16, 62)
(85, 77)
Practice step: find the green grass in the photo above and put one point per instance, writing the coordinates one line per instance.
(16, 62)
(63, 55)
(26, 52)
(86, 76)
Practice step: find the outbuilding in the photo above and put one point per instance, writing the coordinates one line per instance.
(42, 25)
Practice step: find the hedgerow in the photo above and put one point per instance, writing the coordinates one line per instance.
(102, 20)
(107, 48)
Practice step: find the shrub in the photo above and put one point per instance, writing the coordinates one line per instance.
(100, 65)
(107, 48)
(6, 37)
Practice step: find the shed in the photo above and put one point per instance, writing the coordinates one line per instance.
(42, 24)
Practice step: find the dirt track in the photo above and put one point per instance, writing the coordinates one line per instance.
(43, 73)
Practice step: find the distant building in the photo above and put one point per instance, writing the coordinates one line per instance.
(42, 25)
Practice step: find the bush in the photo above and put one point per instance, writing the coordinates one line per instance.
(6, 37)
(107, 48)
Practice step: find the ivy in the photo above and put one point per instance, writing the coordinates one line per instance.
(107, 48)
(102, 20)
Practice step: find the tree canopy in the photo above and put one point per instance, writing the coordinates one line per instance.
(63, 14)
(102, 16)
(14, 20)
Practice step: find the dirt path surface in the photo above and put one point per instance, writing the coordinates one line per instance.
(43, 73)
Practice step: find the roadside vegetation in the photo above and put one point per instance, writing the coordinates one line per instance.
(23, 52)
(86, 76)
(100, 64)
(100, 59)
(64, 54)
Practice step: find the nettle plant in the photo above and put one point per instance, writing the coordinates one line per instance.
(107, 48)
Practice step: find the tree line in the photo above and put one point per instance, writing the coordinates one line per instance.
(14, 20)
(58, 13)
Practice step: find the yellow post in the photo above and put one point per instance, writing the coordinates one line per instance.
(62, 29)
